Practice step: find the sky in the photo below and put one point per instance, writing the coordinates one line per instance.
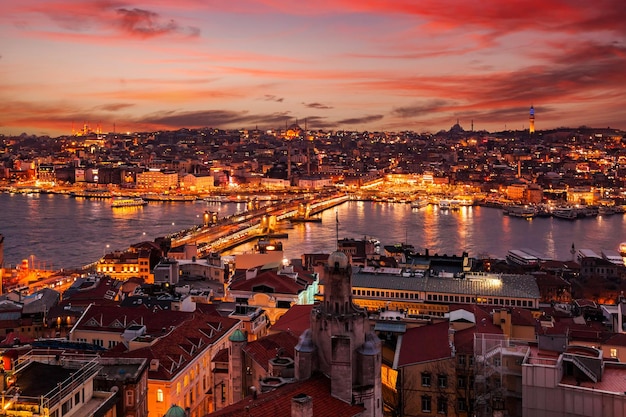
(375, 65)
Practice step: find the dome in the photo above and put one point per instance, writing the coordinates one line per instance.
(237, 336)
(338, 259)
(175, 411)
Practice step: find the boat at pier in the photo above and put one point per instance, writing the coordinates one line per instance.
(567, 213)
(526, 212)
(128, 202)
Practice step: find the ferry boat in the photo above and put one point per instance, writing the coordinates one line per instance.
(526, 212)
(567, 213)
(128, 202)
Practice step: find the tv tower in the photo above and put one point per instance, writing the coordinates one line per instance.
(531, 120)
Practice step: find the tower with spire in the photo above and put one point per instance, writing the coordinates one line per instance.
(531, 120)
(340, 342)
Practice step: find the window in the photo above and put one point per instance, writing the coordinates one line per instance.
(614, 353)
(425, 379)
(461, 360)
(159, 395)
(462, 404)
(130, 398)
(461, 382)
(442, 381)
(426, 404)
(442, 405)
(497, 361)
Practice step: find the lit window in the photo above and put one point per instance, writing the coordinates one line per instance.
(614, 353)
(159, 395)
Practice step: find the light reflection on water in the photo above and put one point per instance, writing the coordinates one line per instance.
(67, 232)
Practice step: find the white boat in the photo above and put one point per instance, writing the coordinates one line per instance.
(128, 202)
(567, 213)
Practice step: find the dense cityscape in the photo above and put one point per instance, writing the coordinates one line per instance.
(345, 208)
(170, 327)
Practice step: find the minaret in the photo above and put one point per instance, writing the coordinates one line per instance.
(531, 121)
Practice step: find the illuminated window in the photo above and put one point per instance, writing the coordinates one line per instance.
(614, 353)
(159, 395)
(178, 388)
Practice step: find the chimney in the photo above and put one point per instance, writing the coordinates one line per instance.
(301, 406)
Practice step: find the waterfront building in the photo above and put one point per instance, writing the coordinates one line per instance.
(158, 180)
(420, 292)
(197, 182)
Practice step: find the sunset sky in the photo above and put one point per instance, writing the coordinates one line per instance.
(338, 64)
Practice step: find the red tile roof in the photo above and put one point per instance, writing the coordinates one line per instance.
(296, 320)
(281, 284)
(425, 343)
(116, 319)
(613, 380)
(268, 347)
(180, 345)
(464, 339)
(277, 403)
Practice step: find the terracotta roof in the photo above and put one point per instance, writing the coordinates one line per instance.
(424, 344)
(221, 356)
(613, 380)
(117, 319)
(464, 339)
(181, 345)
(277, 403)
(296, 320)
(268, 347)
(281, 284)
(83, 292)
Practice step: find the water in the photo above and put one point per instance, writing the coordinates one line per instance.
(56, 231)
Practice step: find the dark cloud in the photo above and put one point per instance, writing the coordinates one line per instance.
(271, 97)
(147, 24)
(115, 106)
(420, 108)
(318, 106)
(360, 120)
(214, 118)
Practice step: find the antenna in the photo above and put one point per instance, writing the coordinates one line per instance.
(337, 229)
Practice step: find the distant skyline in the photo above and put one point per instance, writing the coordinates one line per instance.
(338, 64)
